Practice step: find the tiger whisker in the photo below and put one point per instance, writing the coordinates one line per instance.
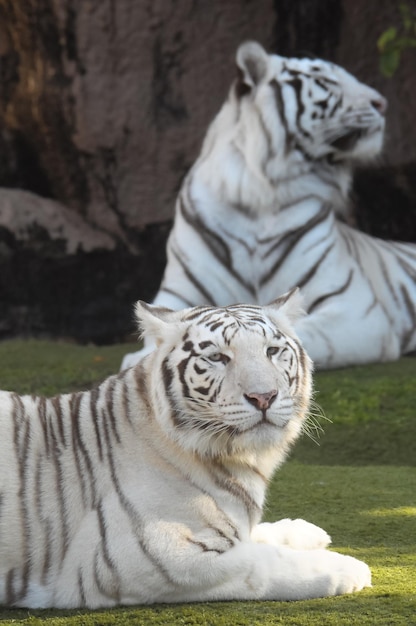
(312, 427)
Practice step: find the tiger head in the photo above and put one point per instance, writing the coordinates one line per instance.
(312, 108)
(228, 381)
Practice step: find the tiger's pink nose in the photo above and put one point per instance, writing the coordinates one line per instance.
(261, 401)
(380, 104)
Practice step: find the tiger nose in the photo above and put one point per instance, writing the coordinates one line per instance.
(261, 401)
(379, 104)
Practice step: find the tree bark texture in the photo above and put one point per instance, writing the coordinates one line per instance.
(103, 107)
(113, 97)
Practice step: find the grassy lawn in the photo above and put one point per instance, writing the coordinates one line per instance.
(358, 482)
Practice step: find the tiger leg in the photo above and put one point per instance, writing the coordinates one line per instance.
(261, 572)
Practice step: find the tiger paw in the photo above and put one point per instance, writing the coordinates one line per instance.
(297, 534)
(346, 574)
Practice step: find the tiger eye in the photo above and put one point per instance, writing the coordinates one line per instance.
(218, 357)
(272, 350)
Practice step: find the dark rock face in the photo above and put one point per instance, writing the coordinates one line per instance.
(87, 297)
(384, 201)
(61, 277)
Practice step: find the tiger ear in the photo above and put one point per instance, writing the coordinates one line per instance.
(252, 60)
(155, 321)
(290, 304)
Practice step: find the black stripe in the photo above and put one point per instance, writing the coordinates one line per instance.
(182, 367)
(204, 546)
(167, 377)
(204, 391)
(206, 296)
(297, 84)
(385, 270)
(278, 96)
(47, 552)
(218, 247)
(310, 273)
(196, 312)
(229, 483)
(109, 405)
(42, 417)
(336, 292)
(205, 344)
(84, 464)
(94, 393)
(212, 240)
(125, 400)
(22, 439)
(56, 404)
(74, 404)
(81, 588)
(142, 387)
(61, 477)
(292, 238)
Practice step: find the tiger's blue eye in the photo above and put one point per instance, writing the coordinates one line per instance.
(272, 350)
(218, 357)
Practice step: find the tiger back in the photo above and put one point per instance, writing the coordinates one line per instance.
(262, 209)
(150, 487)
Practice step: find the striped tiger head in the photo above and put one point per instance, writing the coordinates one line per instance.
(310, 107)
(235, 379)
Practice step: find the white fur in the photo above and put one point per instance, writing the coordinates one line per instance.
(241, 229)
(296, 534)
(150, 488)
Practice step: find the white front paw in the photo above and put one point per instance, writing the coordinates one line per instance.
(348, 574)
(297, 534)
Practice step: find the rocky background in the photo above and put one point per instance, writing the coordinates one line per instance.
(103, 107)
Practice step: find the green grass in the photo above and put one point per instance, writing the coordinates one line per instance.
(359, 484)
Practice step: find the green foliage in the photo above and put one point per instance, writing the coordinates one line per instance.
(358, 484)
(393, 41)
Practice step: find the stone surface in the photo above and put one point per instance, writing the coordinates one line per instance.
(33, 220)
(61, 277)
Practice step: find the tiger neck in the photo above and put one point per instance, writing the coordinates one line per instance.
(239, 174)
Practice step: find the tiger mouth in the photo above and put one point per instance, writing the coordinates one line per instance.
(349, 140)
(264, 421)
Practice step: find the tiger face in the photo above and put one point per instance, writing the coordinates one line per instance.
(323, 111)
(236, 380)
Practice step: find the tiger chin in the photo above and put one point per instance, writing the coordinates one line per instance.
(150, 488)
(262, 210)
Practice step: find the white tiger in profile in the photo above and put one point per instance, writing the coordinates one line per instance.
(257, 213)
(150, 488)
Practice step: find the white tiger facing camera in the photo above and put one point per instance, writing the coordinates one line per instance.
(258, 213)
(150, 488)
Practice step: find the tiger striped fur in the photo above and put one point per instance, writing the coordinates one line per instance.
(150, 488)
(259, 212)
